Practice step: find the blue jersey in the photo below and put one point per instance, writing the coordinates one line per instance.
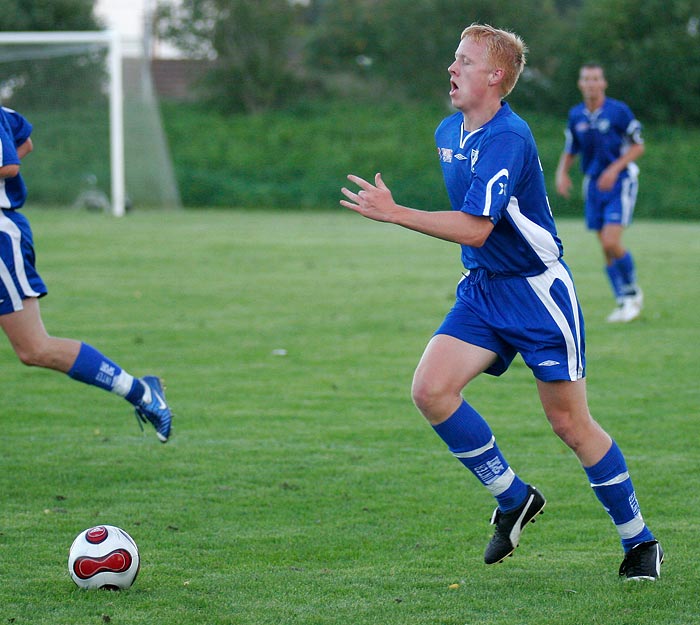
(601, 136)
(495, 172)
(14, 131)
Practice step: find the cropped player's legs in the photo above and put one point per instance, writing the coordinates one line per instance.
(447, 366)
(608, 213)
(32, 344)
(36, 348)
(621, 272)
(617, 208)
(566, 407)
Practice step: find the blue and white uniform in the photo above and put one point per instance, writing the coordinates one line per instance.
(18, 276)
(517, 295)
(601, 137)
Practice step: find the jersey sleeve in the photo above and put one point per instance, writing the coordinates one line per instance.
(20, 127)
(571, 142)
(496, 170)
(632, 127)
(8, 151)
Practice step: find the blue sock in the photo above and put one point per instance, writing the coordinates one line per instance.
(615, 279)
(627, 273)
(470, 439)
(92, 367)
(613, 487)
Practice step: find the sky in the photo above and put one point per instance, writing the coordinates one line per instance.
(127, 18)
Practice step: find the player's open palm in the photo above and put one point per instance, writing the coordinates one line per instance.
(373, 201)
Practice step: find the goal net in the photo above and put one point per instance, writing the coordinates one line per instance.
(98, 136)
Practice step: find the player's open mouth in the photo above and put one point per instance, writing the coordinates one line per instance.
(453, 87)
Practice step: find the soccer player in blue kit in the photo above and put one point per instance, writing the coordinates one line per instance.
(516, 296)
(609, 140)
(21, 287)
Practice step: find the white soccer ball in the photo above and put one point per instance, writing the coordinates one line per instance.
(104, 557)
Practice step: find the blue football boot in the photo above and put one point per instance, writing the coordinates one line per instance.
(152, 408)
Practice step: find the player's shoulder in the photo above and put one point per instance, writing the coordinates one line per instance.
(19, 126)
(577, 110)
(508, 121)
(616, 106)
(449, 123)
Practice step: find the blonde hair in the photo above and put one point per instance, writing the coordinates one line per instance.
(504, 50)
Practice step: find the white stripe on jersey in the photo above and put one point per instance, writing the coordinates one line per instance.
(4, 199)
(540, 240)
(7, 227)
(489, 187)
(541, 285)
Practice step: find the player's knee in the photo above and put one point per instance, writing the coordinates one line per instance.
(428, 395)
(31, 355)
(568, 429)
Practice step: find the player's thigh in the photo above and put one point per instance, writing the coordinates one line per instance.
(611, 239)
(448, 364)
(564, 399)
(566, 407)
(24, 328)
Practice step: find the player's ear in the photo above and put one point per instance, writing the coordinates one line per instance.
(496, 76)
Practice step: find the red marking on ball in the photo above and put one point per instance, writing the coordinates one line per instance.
(96, 535)
(117, 561)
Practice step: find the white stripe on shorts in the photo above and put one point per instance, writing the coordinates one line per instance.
(628, 198)
(7, 227)
(541, 285)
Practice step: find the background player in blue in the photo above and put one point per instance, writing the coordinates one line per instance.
(21, 287)
(609, 139)
(517, 296)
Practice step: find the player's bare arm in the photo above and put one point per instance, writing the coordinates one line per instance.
(376, 202)
(9, 171)
(25, 148)
(608, 177)
(563, 180)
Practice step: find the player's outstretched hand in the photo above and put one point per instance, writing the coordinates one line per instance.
(373, 201)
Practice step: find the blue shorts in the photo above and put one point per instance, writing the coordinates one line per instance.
(610, 207)
(18, 276)
(538, 317)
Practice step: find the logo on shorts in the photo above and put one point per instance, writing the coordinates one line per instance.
(549, 363)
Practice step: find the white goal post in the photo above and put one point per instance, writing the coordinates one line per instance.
(110, 39)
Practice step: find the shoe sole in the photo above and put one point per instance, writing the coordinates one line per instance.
(531, 520)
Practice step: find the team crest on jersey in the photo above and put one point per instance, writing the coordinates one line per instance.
(603, 125)
(475, 157)
(445, 155)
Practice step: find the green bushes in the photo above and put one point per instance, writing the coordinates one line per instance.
(299, 158)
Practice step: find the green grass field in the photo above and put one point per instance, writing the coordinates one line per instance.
(305, 488)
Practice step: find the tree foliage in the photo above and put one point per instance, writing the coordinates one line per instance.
(64, 74)
(269, 52)
(47, 15)
(251, 45)
(651, 53)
